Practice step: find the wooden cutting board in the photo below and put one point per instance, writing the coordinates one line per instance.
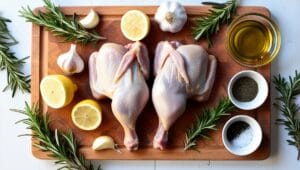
(46, 48)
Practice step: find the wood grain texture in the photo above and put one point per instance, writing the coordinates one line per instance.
(46, 48)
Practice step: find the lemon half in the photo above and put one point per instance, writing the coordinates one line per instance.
(86, 115)
(135, 25)
(57, 90)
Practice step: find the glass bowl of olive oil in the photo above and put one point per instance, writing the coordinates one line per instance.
(253, 40)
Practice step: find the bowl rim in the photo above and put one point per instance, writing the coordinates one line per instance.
(256, 102)
(273, 25)
(252, 122)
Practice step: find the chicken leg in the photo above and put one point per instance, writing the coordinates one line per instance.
(119, 72)
(182, 72)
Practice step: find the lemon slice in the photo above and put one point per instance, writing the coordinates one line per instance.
(91, 20)
(57, 90)
(86, 115)
(135, 25)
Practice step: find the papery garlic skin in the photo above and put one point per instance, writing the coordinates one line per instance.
(70, 62)
(171, 16)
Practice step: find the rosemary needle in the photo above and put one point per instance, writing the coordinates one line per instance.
(16, 80)
(288, 91)
(60, 146)
(56, 22)
(209, 24)
(207, 121)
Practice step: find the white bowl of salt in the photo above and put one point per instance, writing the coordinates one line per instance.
(242, 135)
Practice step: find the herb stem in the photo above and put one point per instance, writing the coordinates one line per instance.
(207, 121)
(16, 80)
(60, 146)
(288, 91)
(56, 22)
(206, 26)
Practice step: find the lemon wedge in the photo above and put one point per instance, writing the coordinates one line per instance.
(104, 142)
(57, 90)
(135, 25)
(86, 115)
(91, 20)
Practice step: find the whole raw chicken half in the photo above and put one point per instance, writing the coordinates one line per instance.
(119, 72)
(182, 72)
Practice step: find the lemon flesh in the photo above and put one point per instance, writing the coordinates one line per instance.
(86, 115)
(57, 90)
(135, 25)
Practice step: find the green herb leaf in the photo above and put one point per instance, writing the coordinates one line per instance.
(16, 80)
(206, 122)
(208, 25)
(288, 90)
(56, 22)
(60, 146)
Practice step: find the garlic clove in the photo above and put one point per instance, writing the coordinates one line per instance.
(91, 20)
(70, 62)
(104, 142)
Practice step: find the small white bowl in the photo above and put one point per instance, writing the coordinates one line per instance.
(256, 139)
(262, 93)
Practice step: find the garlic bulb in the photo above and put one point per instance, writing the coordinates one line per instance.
(70, 62)
(171, 16)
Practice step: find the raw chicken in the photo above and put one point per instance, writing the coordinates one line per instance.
(182, 72)
(119, 73)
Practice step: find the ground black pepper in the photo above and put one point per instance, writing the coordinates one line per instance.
(235, 129)
(244, 89)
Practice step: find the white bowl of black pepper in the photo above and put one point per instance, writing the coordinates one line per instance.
(242, 135)
(248, 90)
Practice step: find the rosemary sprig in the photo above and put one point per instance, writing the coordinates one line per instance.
(61, 146)
(209, 24)
(288, 90)
(16, 80)
(55, 21)
(207, 121)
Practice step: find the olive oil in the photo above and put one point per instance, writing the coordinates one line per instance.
(251, 42)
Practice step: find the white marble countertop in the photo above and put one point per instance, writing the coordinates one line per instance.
(15, 152)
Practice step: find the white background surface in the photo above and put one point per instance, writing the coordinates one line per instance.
(15, 152)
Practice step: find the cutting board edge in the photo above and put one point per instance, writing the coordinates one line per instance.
(36, 96)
